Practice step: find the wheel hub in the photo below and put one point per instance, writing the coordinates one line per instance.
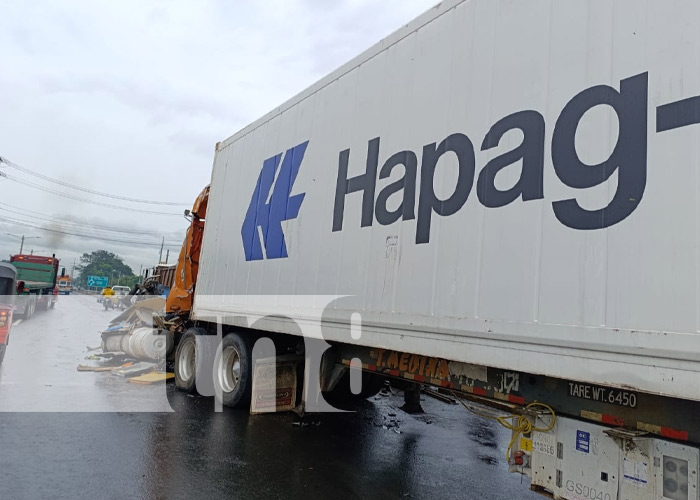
(229, 369)
(186, 361)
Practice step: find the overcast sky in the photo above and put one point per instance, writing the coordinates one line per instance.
(130, 98)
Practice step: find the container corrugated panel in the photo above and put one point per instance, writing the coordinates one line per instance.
(166, 275)
(534, 205)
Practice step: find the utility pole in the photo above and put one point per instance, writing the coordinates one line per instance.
(160, 259)
(72, 271)
(21, 246)
(167, 255)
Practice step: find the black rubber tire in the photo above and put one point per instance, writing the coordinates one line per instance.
(29, 310)
(238, 395)
(186, 376)
(2, 352)
(53, 302)
(371, 385)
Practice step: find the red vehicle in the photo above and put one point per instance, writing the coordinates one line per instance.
(8, 275)
(36, 283)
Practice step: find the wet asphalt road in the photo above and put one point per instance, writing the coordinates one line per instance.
(67, 434)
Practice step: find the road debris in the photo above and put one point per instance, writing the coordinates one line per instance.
(306, 424)
(140, 332)
(151, 378)
(132, 371)
(89, 368)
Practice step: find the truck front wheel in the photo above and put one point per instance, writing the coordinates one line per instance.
(233, 375)
(185, 362)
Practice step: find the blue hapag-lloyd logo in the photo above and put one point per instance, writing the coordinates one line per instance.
(268, 214)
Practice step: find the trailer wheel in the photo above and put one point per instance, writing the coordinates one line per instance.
(185, 366)
(2, 352)
(233, 376)
(341, 393)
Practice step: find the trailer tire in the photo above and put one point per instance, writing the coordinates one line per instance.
(185, 364)
(341, 393)
(2, 352)
(234, 371)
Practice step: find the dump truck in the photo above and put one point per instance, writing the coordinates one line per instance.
(8, 275)
(36, 283)
(499, 200)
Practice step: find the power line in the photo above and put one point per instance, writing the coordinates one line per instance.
(84, 200)
(89, 236)
(83, 189)
(85, 225)
(95, 232)
(7, 230)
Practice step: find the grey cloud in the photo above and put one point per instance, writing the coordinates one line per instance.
(198, 143)
(162, 101)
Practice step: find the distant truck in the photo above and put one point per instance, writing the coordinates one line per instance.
(8, 275)
(36, 283)
(65, 284)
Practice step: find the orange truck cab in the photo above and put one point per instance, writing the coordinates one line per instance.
(180, 297)
(8, 277)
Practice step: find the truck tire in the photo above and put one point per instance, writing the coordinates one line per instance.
(341, 393)
(185, 364)
(29, 310)
(234, 371)
(2, 352)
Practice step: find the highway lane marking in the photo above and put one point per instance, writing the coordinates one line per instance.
(17, 322)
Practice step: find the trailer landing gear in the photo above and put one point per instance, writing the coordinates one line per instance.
(411, 399)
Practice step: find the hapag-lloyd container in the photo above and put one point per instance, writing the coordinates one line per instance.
(509, 184)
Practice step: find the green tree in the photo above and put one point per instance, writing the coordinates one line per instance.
(103, 263)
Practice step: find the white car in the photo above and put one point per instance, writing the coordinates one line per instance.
(121, 290)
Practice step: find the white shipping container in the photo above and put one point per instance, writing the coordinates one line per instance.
(534, 207)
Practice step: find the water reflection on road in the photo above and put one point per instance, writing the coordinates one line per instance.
(192, 452)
